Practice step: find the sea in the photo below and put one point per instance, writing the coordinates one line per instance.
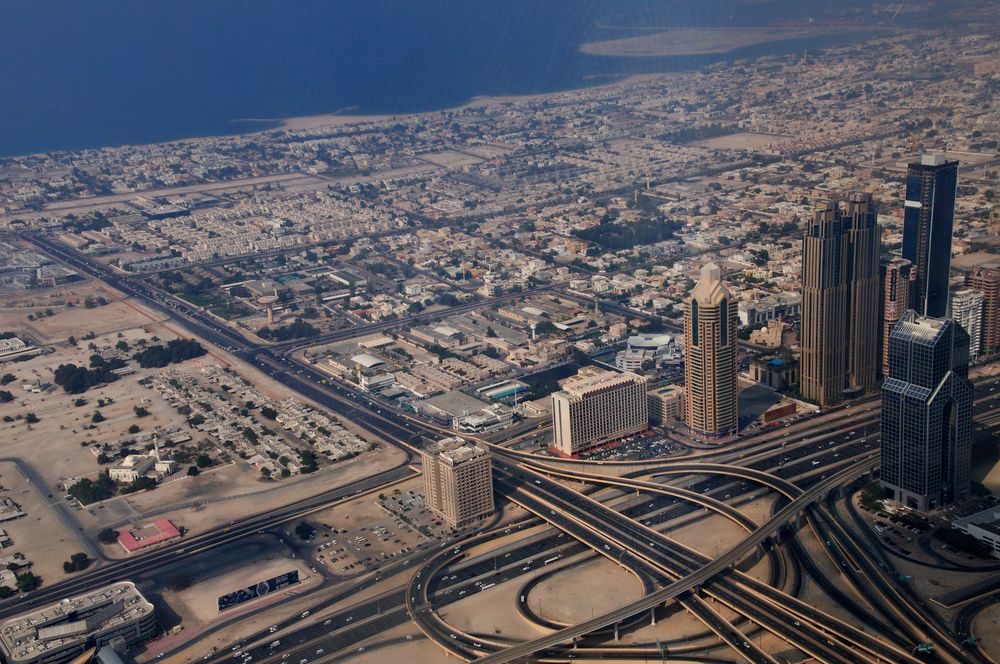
(78, 74)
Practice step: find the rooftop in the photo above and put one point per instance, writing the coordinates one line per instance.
(59, 625)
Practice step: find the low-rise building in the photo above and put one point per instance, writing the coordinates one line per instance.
(132, 468)
(487, 420)
(63, 631)
(984, 526)
(666, 404)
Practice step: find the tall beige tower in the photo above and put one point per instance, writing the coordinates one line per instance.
(840, 301)
(458, 481)
(895, 300)
(710, 327)
(863, 239)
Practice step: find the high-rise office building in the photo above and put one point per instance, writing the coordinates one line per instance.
(863, 240)
(458, 481)
(967, 311)
(597, 406)
(895, 300)
(986, 280)
(710, 328)
(840, 300)
(928, 221)
(927, 413)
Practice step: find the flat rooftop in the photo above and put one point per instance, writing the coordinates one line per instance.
(57, 626)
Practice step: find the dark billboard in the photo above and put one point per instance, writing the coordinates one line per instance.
(258, 590)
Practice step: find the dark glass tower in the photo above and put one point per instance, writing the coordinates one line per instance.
(927, 413)
(928, 220)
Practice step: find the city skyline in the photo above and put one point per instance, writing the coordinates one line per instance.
(695, 364)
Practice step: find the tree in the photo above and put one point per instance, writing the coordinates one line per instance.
(6, 592)
(76, 563)
(134, 428)
(304, 531)
(203, 461)
(140, 411)
(7, 378)
(89, 491)
(97, 417)
(265, 473)
(268, 412)
(122, 346)
(139, 484)
(193, 471)
(31, 418)
(107, 536)
(6, 397)
(27, 582)
(176, 350)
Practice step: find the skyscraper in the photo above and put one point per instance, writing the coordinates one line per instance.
(927, 413)
(458, 481)
(597, 406)
(863, 239)
(928, 220)
(840, 300)
(986, 280)
(710, 327)
(895, 300)
(967, 311)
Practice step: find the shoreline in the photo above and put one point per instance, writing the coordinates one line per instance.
(303, 122)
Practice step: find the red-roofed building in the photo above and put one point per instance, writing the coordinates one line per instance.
(151, 534)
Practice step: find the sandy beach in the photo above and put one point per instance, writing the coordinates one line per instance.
(345, 118)
(701, 41)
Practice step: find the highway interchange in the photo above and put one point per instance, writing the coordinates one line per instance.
(806, 463)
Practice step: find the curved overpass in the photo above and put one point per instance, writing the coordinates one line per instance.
(691, 581)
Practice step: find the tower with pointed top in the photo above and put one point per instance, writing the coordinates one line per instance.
(710, 327)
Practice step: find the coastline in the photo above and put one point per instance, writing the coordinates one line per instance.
(334, 119)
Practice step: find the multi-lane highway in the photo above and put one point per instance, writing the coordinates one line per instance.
(804, 462)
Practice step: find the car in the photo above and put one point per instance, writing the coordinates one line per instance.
(746, 645)
(305, 614)
(328, 622)
(320, 651)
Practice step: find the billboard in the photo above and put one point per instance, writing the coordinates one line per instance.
(258, 590)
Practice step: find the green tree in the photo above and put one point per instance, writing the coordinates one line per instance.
(304, 531)
(27, 582)
(97, 417)
(203, 461)
(31, 418)
(107, 536)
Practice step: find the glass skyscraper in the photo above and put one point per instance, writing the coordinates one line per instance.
(927, 413)
(928, 220)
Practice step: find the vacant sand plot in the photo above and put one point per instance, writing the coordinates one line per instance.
(579, 593)
(987, 628)
(40, 535)
(198, 603)
(214, 499)
(745, 141)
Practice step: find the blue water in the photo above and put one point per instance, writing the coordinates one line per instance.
(90, 73)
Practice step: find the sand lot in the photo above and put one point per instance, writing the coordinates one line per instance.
(592, 588)
(197, 603)
(39, 535)
(987, 628)
(745, 141)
